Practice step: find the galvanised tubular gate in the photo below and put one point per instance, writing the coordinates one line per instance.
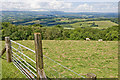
(25, 67)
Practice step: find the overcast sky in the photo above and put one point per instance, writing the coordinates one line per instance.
(60, 5)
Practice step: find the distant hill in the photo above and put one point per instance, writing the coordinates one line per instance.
(49, 18)
(27, 14)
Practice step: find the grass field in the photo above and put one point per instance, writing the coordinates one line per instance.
(8, 69)
(100, 58)
(101, 24)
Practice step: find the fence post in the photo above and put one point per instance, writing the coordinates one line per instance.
(91, 76)
(39, 57)
(8, 49)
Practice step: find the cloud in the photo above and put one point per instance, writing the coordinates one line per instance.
(58, 5)
(55, 5)
(90, 0)
(61, 0)
(14, 6)
(84, 7)
(96, 7)
(35, 5)
(28, 1)
(105, 7)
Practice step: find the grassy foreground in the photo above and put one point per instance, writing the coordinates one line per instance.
(8, 69)
(100, 58)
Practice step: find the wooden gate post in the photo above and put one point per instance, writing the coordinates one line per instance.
(8, 49)
(39, 57)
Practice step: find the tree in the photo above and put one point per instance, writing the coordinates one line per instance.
(53, 33)
(75, 35)
(66, 34)
(112, 35)
(37, 25)
(59, 26)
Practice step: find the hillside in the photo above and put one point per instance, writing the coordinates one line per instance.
(52, 18)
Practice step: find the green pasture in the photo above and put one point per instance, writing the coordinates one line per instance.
(104, 24)
(100, 58)
(101, 24)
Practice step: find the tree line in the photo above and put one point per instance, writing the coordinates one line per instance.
(57, 32)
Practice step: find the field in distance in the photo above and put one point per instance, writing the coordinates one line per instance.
(73, 23)
(94, 24)
(100, 58)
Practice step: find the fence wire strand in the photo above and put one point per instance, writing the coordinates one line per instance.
(23, 69)
(53, 69)
(25, 61)
(64, 66)
(19, 68)
(45, 57)
(24, 55)
(23, 46)
(25, 66)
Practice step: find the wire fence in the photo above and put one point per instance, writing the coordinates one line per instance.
(27, 65)
(23, 63)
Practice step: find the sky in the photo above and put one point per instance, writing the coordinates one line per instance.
(60, 5)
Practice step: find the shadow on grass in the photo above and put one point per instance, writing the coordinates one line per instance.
(3, 58)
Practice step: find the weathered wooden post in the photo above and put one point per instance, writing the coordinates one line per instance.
(8, 49)
(39, 57)
(91, 76)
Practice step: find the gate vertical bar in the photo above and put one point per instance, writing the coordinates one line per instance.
(39, 57)
(8, 49)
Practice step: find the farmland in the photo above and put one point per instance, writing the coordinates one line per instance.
(49, 19)
(100, 24)
(74, 23)
(100, 58)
